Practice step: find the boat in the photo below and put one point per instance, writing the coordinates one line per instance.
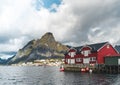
(61, 68)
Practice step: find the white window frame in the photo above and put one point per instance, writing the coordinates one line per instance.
(108, 46)
(72, 61)
(86, 52)
(92, 58)
(86, 60)
(72, 54)
(78, 60)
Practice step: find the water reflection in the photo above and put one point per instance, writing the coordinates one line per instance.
(13, 75)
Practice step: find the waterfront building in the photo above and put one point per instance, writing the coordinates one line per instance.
(90, 54)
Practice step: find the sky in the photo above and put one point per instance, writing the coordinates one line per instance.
(72, 23)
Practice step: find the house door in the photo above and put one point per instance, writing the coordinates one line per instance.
(86, 60)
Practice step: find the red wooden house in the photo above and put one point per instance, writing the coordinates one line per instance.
(90, 54)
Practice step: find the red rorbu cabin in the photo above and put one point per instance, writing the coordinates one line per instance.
(90, 54)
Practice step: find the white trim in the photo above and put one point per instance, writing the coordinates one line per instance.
(85, 46)
(71, 61)
(71, 49)
(116, 50)
(107, 43)
(86, 60)
(108, 46)
(86, 52)
(103, 46)
(72, 54)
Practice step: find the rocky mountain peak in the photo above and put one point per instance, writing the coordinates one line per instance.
(45, 47)
(47, 38)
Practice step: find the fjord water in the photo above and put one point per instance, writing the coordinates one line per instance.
(33, 75)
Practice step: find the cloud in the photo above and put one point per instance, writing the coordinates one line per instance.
(74, 22)
(94, 14)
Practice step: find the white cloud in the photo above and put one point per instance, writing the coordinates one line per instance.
(13, 44)
(74, 22)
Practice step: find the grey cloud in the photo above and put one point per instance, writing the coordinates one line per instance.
(75, 22)
(4, 39)
(105, 16)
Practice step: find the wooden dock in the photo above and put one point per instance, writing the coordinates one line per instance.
(77, 67)
(111, 69)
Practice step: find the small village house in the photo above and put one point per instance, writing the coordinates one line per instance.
(90, 54)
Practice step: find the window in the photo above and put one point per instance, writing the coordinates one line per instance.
(72, 61)
(86, 60)
(78, 60)
(93, 59)
(86, 52)
(72, 54)
(68, 61)
(108, 46)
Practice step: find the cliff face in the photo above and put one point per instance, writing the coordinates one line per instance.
(46, 47)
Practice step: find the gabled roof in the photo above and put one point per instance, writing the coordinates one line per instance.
(95, 47)
(72, 50)
(78, 48)
(117, 47)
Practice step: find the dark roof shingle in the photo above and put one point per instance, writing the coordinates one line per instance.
(95, 47)
(117, 47)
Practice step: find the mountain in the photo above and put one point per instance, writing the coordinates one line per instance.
(45, 47)
(3, 61)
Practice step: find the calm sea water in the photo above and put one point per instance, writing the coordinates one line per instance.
(30, 75)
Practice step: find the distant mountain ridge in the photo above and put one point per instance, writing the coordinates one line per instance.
(45, 47)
